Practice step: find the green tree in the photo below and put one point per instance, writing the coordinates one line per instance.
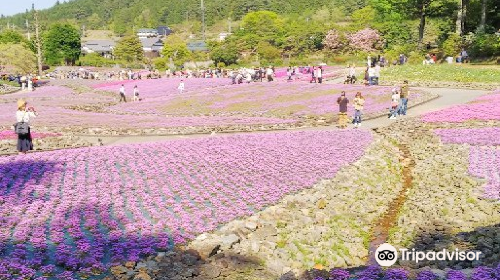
(17, 58)
(262, 26)
(129, 48)
(11, 36)
(267, 51)
(225, 52)
(175, 48)
(62, 44)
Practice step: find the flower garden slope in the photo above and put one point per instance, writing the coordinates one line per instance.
(483, 108)
(85, 208)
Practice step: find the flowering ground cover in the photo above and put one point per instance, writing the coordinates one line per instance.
(484, 162)
(482, 109)
(161, 87)
(81, 210)
(207, 104)
(9, 134)
(56, 108)
(472, 136)
(278, 99)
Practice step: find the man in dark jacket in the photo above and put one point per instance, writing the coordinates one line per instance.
(342, 101)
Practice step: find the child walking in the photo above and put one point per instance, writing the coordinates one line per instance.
(181, 87)
(394, 104)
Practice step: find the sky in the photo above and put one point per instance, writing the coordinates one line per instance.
(11, 7)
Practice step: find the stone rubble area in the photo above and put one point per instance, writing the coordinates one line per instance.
(444, 209)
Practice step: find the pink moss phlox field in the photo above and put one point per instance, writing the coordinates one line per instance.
(484, 162)
(9, 134)
(483, 108)
(53, 104)
(162, 87)
(315, 99)
(205, 103)
(472, 136)
(91, 207)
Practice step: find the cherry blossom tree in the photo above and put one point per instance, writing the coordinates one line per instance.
(334, 41)
(365, 40)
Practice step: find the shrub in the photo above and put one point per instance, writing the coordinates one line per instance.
(485, 45)
(452, 45)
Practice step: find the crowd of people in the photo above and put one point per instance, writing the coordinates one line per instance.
(26, 82)
(88, 74)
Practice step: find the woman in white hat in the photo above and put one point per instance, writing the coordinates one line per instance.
(24, 114)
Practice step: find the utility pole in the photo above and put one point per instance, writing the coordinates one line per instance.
(229, 19)
(203, 18)
(38, 44)
(28, 28)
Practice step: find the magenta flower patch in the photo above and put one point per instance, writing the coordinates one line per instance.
(84, 209)
(484, 162)
(473, 136)
(483, 108)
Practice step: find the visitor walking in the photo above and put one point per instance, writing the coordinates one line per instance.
(23, 116)
(394, 104)
(135, 94)
(269, 74)
(320, 75)
(181, 87)
(359, 102)
(342, 101)
(377, 74)
(289, 73)
(371, 76)
(351, 76)
(122, 94)
(313, 75)
(403, 103)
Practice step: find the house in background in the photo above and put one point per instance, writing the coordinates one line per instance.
(151, 46)
(102, 47)
(164, 30)
(147, 33)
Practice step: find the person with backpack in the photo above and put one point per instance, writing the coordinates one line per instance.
(342, 101)
(22, 128)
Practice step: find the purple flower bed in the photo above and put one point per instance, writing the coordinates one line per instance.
(52, 103)
(483, 108)
(162, 87)
(484, 162)
(206, 102)
(84, 209)
(473, 136)
(9, 135)
(261, 99)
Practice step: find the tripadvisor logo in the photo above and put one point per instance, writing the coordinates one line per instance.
(387, 255)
